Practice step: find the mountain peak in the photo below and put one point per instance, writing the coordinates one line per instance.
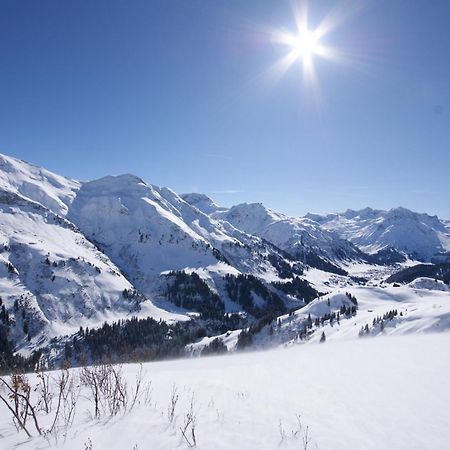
(53, 191)
(202, 202)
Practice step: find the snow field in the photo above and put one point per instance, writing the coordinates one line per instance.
(380, 393)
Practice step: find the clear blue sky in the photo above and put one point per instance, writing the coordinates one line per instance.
(172, 90)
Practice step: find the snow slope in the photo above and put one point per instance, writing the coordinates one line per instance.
(373, 394)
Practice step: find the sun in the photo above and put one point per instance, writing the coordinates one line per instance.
(304, 45)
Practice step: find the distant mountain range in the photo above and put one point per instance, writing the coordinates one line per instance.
(419, 236)
(81, 253)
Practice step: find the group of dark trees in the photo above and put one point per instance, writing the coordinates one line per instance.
(245, 338)
(4, 314)
(144, 340)
(348, 310)
(298, 288)
(8, 360)
(215, 347)
(379, 322)
(352, 298)
(247, 335)
(242, 288)
(133, 295)
(285, 268)
(131, 340)
(189, 291)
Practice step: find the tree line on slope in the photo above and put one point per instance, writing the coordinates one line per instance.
(146, 339)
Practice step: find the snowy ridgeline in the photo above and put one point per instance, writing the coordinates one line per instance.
(372, 394)
(421, 236)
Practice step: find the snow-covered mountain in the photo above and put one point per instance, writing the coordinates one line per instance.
(80, 253)
(302, 238)
(52, 278)
(150, 231)
(420, 236)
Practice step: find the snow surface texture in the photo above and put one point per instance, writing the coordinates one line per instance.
(373, 394)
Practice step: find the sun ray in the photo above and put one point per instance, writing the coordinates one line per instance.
(338, 15)
(280, 67)
(300, 11)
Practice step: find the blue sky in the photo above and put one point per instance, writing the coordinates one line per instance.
(177, 92)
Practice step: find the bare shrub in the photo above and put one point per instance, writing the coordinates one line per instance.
(44, 391)
(298, 433)
(108, 388)
(67, 393)
(282, 432)
(147, 393)
(137, 391)
(190, 422)
(174, 397)
(306, 439)
(19, 403)
(90, 378)
(115, 389)
(17, 400)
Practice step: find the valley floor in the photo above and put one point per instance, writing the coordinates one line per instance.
(373, 393)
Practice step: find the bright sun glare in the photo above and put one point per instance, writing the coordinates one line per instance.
(304, 45)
